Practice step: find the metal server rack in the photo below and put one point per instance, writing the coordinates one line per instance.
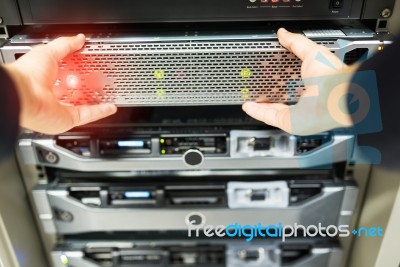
(37, 153)
(64, 207)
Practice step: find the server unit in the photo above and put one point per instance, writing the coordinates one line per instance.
(190, 68)
(124, 190)
(228, 253)
(170, 203)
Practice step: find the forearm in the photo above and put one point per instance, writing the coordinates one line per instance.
(9, 113)
(27, 97)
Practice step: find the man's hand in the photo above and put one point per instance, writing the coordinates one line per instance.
(34, 75)
(318, 109)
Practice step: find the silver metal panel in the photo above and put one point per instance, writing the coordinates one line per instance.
(283, 144)
(276, 194)
(324, 209)
(320, 257)
(324, 33)
(9, 52)
(2, 41)
(43, 209)
(75, 259)
(348, 205)
(56, 259)
(335, 258)
(269, 255)
(216, 71)
(340, 149)
(27, 153)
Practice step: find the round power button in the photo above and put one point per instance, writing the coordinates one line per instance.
(193, 157)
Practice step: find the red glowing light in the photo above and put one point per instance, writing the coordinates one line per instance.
(72, 81)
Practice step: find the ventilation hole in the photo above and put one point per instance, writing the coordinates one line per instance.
(209, 75)
(358, 54)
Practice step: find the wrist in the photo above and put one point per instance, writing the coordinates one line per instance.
(23, 87)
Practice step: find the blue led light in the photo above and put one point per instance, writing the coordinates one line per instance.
(131, 143)
(137, 194)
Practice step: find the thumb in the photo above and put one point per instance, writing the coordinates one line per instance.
(298, 44)
(274, 114)
(63, 46)
(85, 114)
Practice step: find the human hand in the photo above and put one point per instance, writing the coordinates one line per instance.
(321, 106)
(34, 75)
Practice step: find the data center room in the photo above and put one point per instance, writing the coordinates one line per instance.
(180, 175)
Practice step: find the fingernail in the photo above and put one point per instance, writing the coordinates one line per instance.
(245, 106)
(111, 107)
(283, 30)
(80, 35)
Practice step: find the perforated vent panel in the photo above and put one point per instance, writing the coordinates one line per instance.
(180, 73)
(355, 55)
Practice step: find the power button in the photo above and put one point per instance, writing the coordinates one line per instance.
(337, 4)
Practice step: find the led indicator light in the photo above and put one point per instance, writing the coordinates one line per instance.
(137, 194)
(131, 143)
(245, 73)
(159, 74)
(162, 140)
(245, 93)
(380, 48)
(72, 81)
(160, 93)
(163, 151)
(64, 259)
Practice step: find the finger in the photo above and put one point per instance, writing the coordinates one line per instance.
(85, 114)
(275, 114)
(63, 46)
(300, 45)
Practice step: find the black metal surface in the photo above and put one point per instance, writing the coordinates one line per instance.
(9, 13)
(124, 11)
(373, 8)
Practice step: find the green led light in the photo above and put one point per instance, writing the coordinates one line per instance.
(245, 92)
(160, 93)
(163, 151)
(162, 141)
(245, 73)
(64, 259)
(159, 74)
